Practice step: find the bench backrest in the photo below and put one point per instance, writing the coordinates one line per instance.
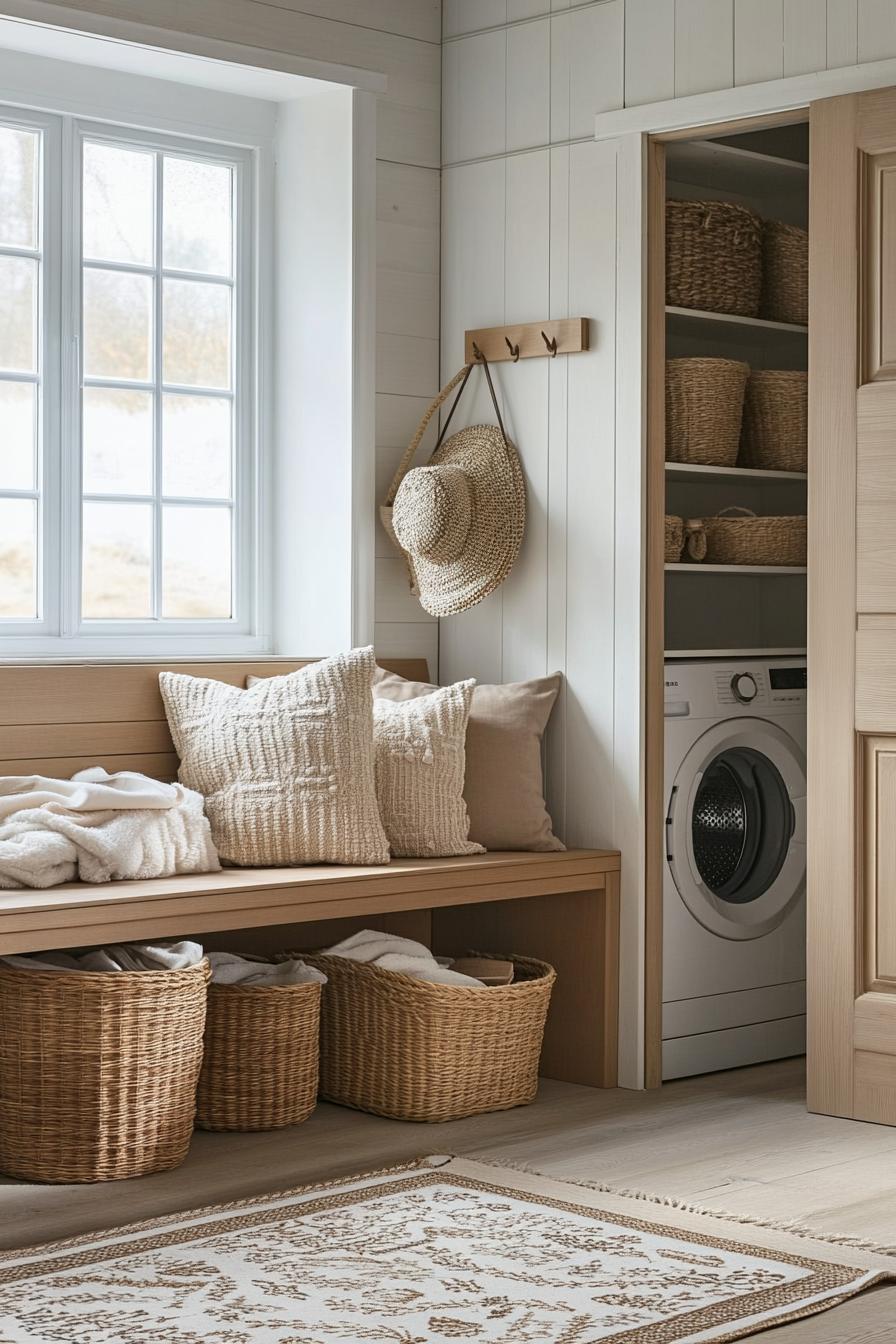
(56, 719)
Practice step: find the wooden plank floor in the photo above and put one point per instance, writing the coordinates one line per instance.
(738, 1142)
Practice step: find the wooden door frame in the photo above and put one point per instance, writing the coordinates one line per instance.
(654, 588)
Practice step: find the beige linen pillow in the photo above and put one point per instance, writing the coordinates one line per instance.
(419, 768)
(286, 768)
(504, 788)
(420, 761)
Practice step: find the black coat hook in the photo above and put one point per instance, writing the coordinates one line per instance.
(551, 344)
(514, 349)
(477, 353)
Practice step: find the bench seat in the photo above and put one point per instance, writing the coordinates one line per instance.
(562, 908)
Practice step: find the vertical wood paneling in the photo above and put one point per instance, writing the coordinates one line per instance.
(466, 16)
(528, 85)
(590, 494)
(758, 40)
(526, 292)
(843, 32)
(805, 36)
(876, 39)
(473, 97)
(558, 427)
(587, 67)
(704, 46)
(473, 224)
(649, 51)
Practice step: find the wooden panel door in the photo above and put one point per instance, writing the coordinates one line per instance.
(852, 608)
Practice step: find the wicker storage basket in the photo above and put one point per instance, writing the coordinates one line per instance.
(260, 1067)
(413, 1050)
(674, 539)
(694, 539)
(785, 272)
(775, 434)
(98, 1071)
(704, 404)
(713, 257)
(739, 537)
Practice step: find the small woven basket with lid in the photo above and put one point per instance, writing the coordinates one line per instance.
(740, 537)
(413, 1050)
(98, 1071)
(704, 405)
(713, 257)
(775, 422)
(260, 1067)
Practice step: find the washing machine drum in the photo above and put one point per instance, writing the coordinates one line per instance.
(736, 828)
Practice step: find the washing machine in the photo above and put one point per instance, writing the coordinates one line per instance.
(734, 882)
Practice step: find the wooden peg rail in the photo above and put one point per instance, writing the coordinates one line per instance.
(566, 336)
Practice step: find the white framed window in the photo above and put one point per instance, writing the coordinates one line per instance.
(128, 390)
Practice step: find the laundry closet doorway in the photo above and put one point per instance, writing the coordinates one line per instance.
(726, 598)
(851, 592)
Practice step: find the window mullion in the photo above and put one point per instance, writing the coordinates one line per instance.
(157, 396)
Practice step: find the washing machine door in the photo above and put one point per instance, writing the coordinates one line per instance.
(736, 828)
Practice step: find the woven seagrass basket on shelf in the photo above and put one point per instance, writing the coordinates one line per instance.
(260, 1067)
(413, 1050)
(98, 1071)
(775, 429)
(713, 257)
(704, 405)
(785, 272)
(694, 539)
(740, 537)
(674, 539)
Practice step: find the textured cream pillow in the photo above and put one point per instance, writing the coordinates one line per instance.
(420, 772)
(286, 768)
(504, 787)
(419, 765)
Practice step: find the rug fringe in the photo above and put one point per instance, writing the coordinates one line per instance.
(792, 1226)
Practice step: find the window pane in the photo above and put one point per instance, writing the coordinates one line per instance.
(117, 434)
(196, 446)
(196, 333)
(18, 187)
(196, 563)
(117, 325)
(17, 410)
(197, 217)
(117, 582)
(18, 314)
(119, 216)
(18, 552)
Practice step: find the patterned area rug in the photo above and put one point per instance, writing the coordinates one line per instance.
(442, 1249)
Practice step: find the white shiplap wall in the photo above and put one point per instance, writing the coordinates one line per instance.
(401, 39)
(530, 227)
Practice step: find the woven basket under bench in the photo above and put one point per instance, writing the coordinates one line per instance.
(98, 1071)
(413, 1050)
(260, 1065)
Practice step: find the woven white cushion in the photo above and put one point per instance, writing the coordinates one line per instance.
(286, 767)
(420, 764)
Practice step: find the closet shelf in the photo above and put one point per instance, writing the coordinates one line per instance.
(697, 322)
(700, 568)
(735, 653)
(744, 172)
(693, 472)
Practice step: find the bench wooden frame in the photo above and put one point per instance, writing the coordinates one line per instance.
(563, 907)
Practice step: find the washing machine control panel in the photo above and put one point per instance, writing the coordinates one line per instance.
(699, 690)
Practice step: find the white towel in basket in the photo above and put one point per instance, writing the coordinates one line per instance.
(392, 953)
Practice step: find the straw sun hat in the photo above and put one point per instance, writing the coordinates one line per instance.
(459, 520)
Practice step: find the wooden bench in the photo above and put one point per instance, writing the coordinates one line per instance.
(564, 908)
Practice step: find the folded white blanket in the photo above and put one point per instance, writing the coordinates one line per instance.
(100, 828)
(119, 957)
(229, 969)
(392, 953)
